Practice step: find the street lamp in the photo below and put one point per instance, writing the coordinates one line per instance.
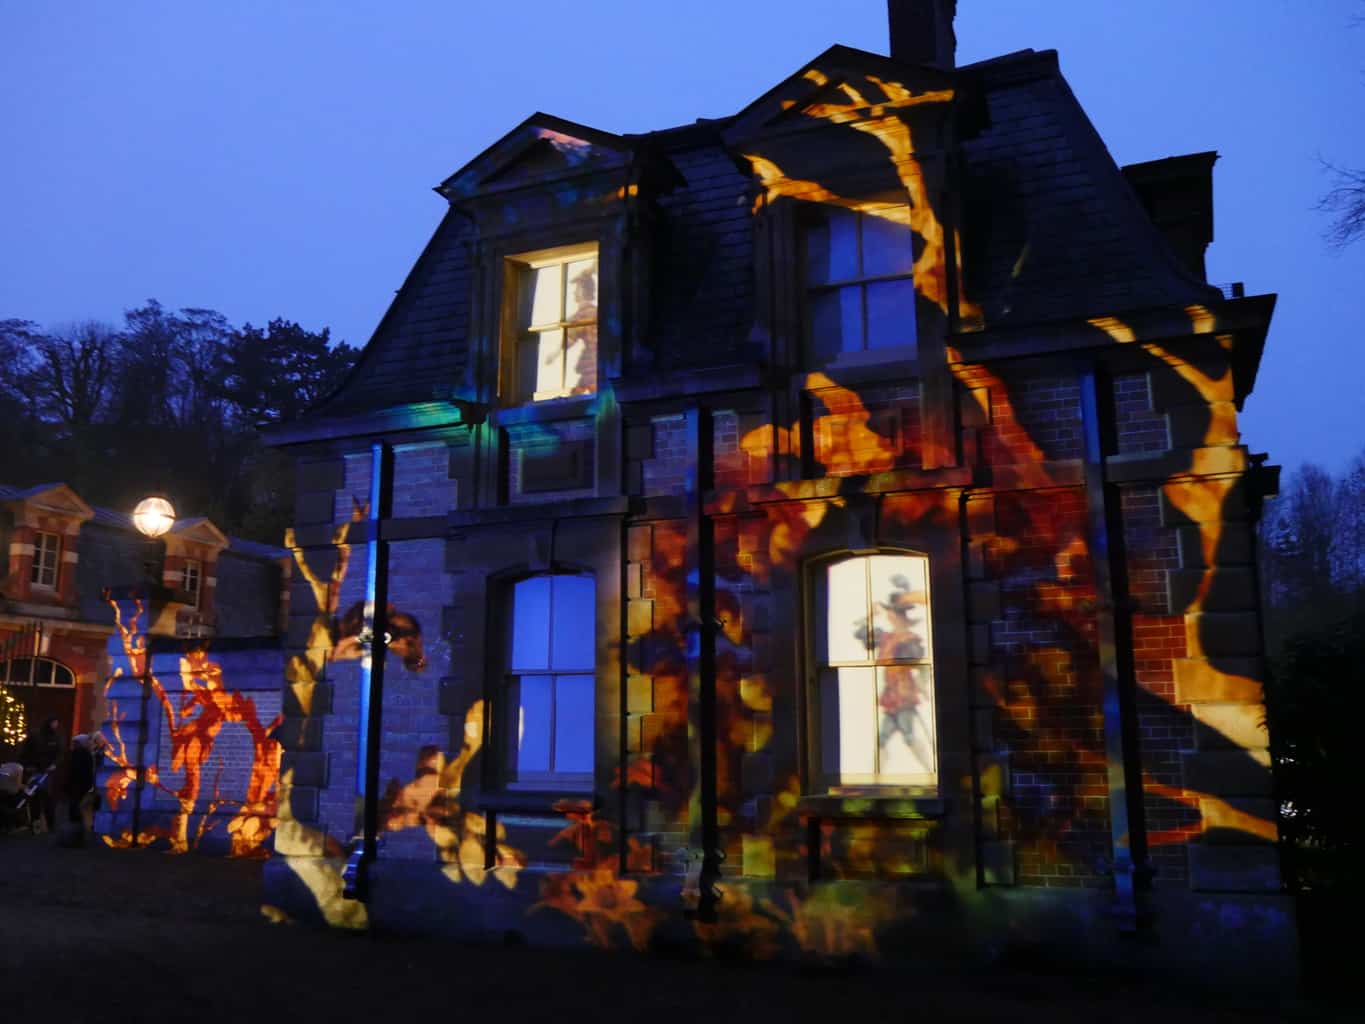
(153, 517)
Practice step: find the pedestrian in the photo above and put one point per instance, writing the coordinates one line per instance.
(80, 784)
(40, 755)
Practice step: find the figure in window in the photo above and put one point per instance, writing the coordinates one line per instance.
(581, 342)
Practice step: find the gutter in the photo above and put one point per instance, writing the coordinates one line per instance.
(390, 420)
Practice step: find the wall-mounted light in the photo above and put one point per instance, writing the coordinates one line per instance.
(153, 516)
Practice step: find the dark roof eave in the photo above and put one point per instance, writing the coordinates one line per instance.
(393, 419)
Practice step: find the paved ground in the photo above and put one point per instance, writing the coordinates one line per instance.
(102, 935)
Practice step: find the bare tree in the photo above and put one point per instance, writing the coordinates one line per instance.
(1346, 203)
(74, 371)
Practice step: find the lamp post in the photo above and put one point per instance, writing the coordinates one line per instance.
(153, 517)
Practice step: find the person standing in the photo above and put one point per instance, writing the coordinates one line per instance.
(80, 784)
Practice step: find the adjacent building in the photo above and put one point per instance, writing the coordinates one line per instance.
(55, 617)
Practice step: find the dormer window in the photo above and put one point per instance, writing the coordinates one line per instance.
(860, 286)
(553, 323)
(47, 553)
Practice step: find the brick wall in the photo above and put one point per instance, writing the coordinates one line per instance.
(421, 480)
(1140, 428)
(1033, 418)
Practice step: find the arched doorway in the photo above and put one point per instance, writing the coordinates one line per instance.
(45, 687)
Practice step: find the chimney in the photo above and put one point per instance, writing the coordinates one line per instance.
(922, 32)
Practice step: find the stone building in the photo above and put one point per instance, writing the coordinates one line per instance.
(819, 531)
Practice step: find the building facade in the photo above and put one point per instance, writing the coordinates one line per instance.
(821, 531)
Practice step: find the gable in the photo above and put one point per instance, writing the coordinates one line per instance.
(52, 499)
(841, 86)
(540, 149)
(199, 531)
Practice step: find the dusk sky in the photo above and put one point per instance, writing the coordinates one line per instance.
(276, 159)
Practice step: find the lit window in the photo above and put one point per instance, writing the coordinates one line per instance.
(874, 667)
(550, 682)
(36, 672)
(555, 344)
(860, 286)
(47, 552)
(194, 574)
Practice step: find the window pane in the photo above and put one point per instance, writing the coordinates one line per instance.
(528, 357)
(888, 245)
(848, 740)
(905, 725)
(836, 321)
(582, 298)
(42, 672)
(573, 723)
(542, 300)
(890, 313)
(63, 677)
(547, 355)
(845, 611)
(530, 701)
(531, 624)
(575, 632)
(832, 247)
(900, 607)
(580, 361)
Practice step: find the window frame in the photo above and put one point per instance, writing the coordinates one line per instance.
(815, 620)
(905, 352)
(508, 676)
(196, 590)
(517, 268)
(31, 676)
(40, 566)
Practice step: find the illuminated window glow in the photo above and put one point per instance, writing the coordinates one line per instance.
(47, 553)
(874, 698)
(555, 344)
(550, 682)
(860, 287)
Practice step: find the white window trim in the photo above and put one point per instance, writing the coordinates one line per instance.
(548, 781)
(198, 576)
(864, 355)
(816, 619)
(514, 331)
(39, 565)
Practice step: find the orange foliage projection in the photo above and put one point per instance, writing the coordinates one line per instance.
(604, 904)
(884, 120)
(432, 802)
(192, 725)
(1043, 680)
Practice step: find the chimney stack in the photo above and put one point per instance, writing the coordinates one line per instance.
(922, 32)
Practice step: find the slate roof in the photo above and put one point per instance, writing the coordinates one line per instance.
(1052, 230)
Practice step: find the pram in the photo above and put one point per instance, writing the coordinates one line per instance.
(17, 798)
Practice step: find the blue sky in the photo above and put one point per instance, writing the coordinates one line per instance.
(276, 158)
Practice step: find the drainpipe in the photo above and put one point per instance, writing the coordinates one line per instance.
(701, 606)
(355, 876)
(1104, 529)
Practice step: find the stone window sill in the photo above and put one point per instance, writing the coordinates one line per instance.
(890, 806)
(537, 801)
